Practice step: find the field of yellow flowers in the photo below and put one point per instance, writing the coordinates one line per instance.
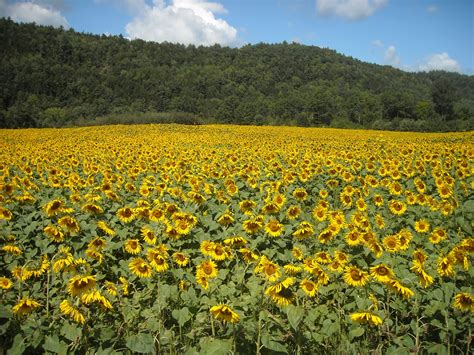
(227, 239)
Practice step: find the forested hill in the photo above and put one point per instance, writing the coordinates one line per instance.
(54, 77)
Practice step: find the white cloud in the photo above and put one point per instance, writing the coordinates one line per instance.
(40, 12)
(432, 8)
(378, 43)
(391, 56)
(440, 61)
(350, 9)
(180, 21)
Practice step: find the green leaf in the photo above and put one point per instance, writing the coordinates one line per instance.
(71, 332)
(181, 315)
(141, 343)
(18, 345)
(210, 346)
(356, 332)
(53, 344)
(271, 344)
(295, 315)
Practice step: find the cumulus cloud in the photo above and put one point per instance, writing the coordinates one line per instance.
(391, 56)
(378, 43)
(40, 12)
(350, 9)
(180, 21)
(440, 61)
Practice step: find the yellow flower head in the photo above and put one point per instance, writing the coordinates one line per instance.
(225, 313)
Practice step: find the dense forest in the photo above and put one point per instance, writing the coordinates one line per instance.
(53, 77)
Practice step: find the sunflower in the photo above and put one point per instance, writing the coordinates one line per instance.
(378, 200)
(202, 281)
(25, 306)
(268, 269)
(300, 194)
(206, 247)
(280, 292)
(126, 214)
(419, 256)
(445, 266)
(12, 249)
(382, 273)
(97, 243)
(252, 225)
(132, 246)
(422, 226)
(235, 241)
(95, 296)
(391, 243)
(309, 287)
(207, 269)
(95, 254)
(111, 288)
(157, 260)
(464, 302)
(220, 252)
(181, 259)
(404, 238)
(56, 207)
(140, 268)
(79, 284)
(224, 313)
(249, 255)
(293, 212)
(397, 207)
(247, 205)
(355, 277)
(92, 208)
(72, 312)
(124, 285)
(102, 225)
(424, 278)
(366, 317)
(226, 219)
(5, 214)
(353, 238)
(396, 286)
(445, 191)
(323, 257)
(304, 230)
(297, 253)
(156, 215)
(54, 233)
(274, 228)
(5, 283)
(346, 199)
(291, 269)
(320, 213)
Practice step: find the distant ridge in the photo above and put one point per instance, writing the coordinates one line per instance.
(56, 77)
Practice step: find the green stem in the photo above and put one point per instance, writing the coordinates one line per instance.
(212, 325)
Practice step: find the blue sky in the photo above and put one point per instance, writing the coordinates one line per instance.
(411, 35)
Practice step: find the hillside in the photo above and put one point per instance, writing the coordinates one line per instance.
(53, 77)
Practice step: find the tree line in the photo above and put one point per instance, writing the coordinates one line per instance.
(53, 77)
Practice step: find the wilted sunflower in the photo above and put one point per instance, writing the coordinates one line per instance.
(224, 313)
(355, 277)
(97, 243)
(464, 302)
(236, 241)
(280, 292)
(309, 287)
(226, 219)
(79, 284)
(132, 246)
(95, 296)
(92, 208)
(140, 268)
(366, 317)
(304, 230)
(291, 269)
(423, 277)
(72, 312)
(445, 266)
(25, 306)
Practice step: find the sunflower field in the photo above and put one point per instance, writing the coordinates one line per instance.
(174, 239)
